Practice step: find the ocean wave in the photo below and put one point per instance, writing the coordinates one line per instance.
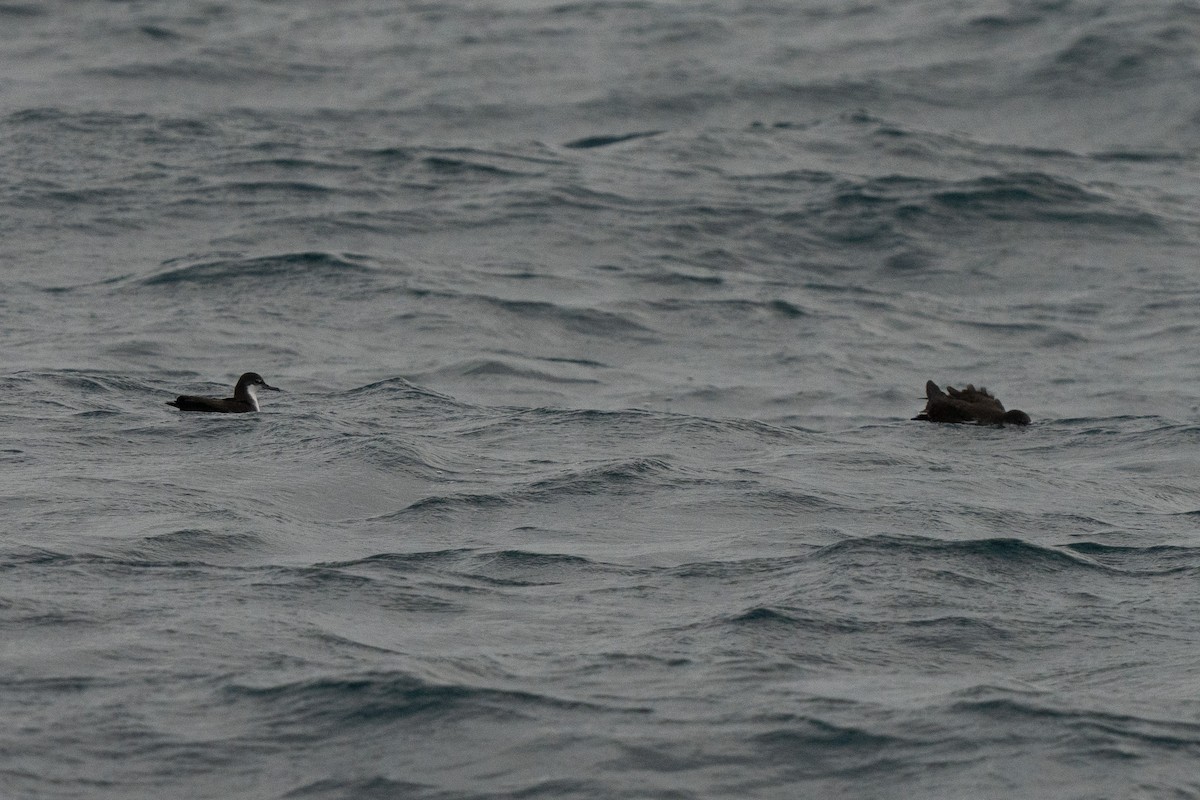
(467, 568)
(617, 477)
(446, 165)
(312, 708)
(1145, 561)
(1088, 724)
(754, 620)
(281, 163)
(376, 786)
(275, 190)
(632, 477)
(652, 425)
(395, 390)
(777, 499)
(545, 318)
(1114, 57)
(1005, 554)
(31, 556)
(21, 10)
(503, 369)
(384, 590)
(607, 140)
(901, 213)
(118, 563)
(1037, 197)
(196, 542)
(739, 309)
(526, 568)
(814, 735)
(231, 68)
(404, 562)
(303, 266)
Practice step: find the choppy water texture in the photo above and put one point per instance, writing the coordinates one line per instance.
(599, 327)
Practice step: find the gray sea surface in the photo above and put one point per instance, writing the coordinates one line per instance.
(599, 327)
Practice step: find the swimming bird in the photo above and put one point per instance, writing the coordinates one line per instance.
(244, 398)
(967, 405)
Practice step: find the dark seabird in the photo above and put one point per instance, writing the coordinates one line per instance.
(967, 405)
(244, 398)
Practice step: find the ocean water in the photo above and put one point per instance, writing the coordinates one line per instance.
(599, 327)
